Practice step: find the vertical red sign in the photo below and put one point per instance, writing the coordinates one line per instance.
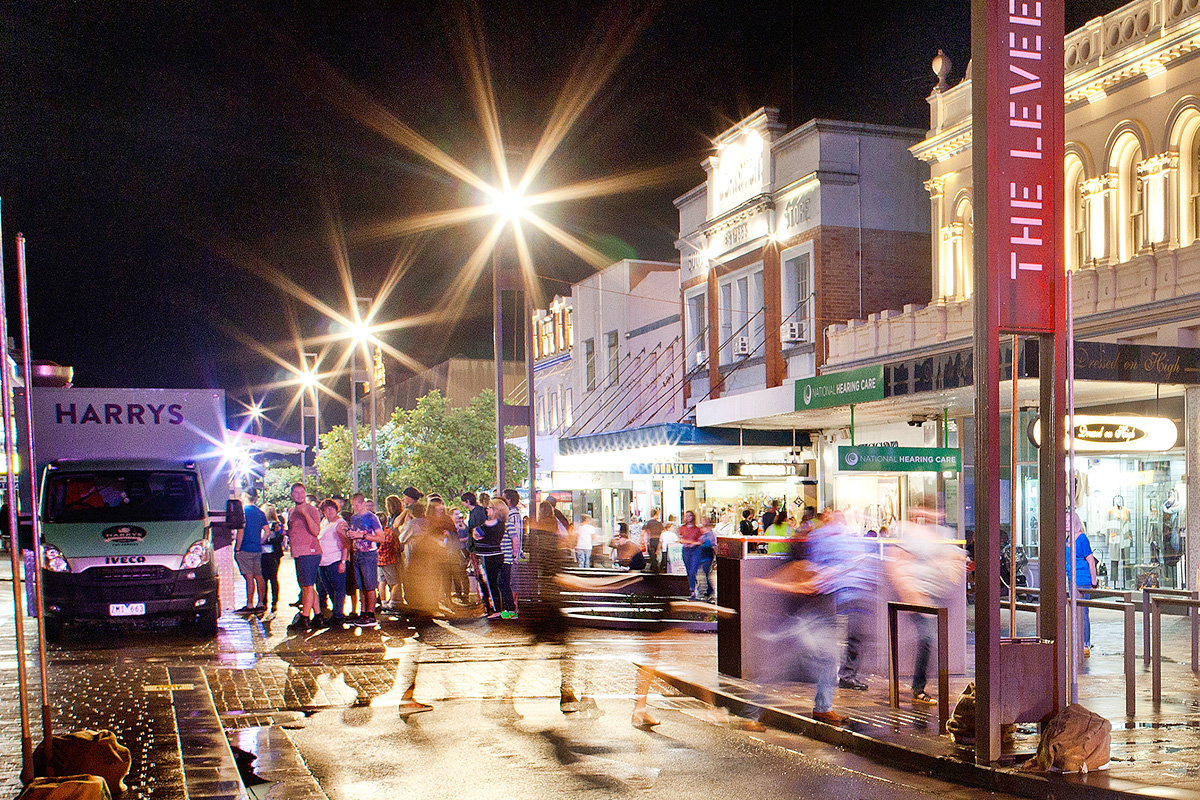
(1025, 159)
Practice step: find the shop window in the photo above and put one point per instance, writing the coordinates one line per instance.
(725, 316)
(589, 363)
(1129, 197)
(758, 327)
(614, 359)
(1075, 213)
(569, 325)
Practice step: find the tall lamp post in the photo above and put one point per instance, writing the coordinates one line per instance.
(511, 206)
(308, 385)
(360, 334)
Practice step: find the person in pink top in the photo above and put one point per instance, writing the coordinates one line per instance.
(691, 537)
(304, 532)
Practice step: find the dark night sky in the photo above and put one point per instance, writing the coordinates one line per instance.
(147, 148)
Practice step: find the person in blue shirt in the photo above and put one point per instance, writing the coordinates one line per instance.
(1085, 573)
(366, 533)
(248, 554)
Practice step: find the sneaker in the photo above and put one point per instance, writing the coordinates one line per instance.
(410, 707)
(1087, 651)
(246, 610)
(828, 717)
(508, 615)
(923, 698)
(852, 683)
(366, 621)
(495, 616)
(298, 622)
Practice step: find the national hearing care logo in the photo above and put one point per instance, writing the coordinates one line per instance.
(807, 395)
(851, 458)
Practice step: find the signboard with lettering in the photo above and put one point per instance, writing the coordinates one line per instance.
(877, 458)
(1117, 433)
(1025, 160)
(798, 211)
(740, 171)
(672, 470)
(767, 470)
(840, 388)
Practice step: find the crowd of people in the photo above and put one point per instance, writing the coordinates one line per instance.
(417, 554)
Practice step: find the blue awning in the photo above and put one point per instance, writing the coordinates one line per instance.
(676, 434)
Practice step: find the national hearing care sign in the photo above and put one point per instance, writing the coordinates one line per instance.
(884, 458)
(840, 388)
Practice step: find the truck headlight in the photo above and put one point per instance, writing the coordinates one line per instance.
(54, 560)
(199, 553)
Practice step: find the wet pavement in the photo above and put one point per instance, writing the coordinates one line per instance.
(316, 714)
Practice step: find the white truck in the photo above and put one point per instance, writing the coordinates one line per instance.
(133, 482)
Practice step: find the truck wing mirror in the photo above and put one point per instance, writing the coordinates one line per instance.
(235, 515)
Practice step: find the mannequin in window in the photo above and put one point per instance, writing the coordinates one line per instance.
(1118, 539)
(1172, 547)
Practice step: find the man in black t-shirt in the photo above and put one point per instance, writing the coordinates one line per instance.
(768, 517)
(746, 527)
(651, 533)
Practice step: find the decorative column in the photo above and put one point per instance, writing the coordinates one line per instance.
(1157, 175)
(1098, 201)
(935, 186)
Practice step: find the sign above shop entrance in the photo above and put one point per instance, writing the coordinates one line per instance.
(885, 458)
(767, 470)
(840, 388)
(1116, 434)
(672, 470)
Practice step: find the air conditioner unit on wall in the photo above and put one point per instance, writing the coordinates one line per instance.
(741, 346)
(792, 332)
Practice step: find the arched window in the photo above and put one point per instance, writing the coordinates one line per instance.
(964, 217)
(1075, 213)
(1130, 218)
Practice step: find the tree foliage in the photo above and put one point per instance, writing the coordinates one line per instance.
(435, 447)
(277, 483)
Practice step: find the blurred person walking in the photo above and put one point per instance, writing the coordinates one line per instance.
(691, 537)
(926, 567)
(854, 574)
(389, 575)
(651, 534)
(708, 554)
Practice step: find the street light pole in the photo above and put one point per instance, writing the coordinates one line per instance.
(498, 348)
(353, 418)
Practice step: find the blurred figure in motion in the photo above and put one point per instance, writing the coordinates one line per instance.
(801, 592)
(708, 554)
(853, 579)
(927, 565)
(628, 553)
(690, 536)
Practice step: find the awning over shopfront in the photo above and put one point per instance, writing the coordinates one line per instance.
(677, 435)
(926, 385)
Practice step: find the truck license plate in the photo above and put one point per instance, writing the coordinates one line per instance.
(126, 609)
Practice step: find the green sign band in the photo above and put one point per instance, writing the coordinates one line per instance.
(883, 458)
(840, 388)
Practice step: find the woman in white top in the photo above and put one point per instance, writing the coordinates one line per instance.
(335, 552)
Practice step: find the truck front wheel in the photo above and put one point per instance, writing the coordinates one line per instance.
(206, 622)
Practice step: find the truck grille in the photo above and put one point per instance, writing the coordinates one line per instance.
(132, 572)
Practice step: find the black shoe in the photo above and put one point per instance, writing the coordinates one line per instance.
(299, 622)
(852, 683)
(366, 621)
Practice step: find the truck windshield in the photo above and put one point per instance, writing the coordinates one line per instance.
(124, 496)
